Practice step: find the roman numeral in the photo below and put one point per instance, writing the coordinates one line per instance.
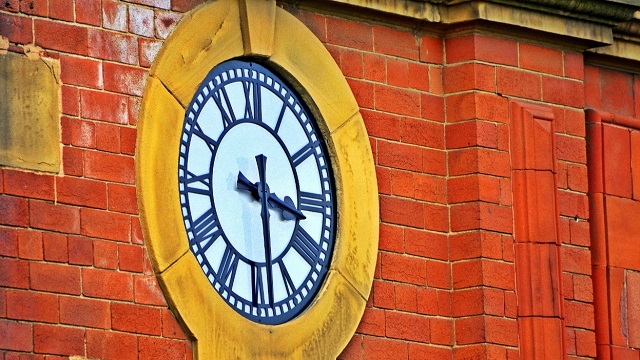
(253, 100)
(306, 246)
(257, 286)
(281, 116)
(206, 230)
(312, 202)
(220, 96)
(302, 154)
(286, 279)
(228, 266)
(203, 180)
(197, 131)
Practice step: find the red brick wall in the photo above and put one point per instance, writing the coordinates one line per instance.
(458, 273)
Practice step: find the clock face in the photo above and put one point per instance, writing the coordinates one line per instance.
(256, 191)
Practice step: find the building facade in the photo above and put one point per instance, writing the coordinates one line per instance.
(505, 137)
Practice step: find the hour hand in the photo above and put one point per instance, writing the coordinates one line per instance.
(289, 210)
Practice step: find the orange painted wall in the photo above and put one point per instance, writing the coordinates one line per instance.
(506, 230)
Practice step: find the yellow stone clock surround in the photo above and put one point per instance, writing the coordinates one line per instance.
(209, 35)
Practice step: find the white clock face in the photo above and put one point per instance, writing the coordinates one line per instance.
(256, 192)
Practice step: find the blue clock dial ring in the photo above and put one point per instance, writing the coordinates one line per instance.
(266, 268)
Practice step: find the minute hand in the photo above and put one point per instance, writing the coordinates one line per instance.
(289, 211)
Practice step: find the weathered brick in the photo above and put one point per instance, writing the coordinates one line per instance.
(113, 46)
(114, 15)
(123, 79)
(141, 21)
(165, 22)
(105, 254)
(18, 29)
(104, 106)
(81, 71)
(148, 51)
(147, 291)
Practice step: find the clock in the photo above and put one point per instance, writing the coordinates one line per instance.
(256, 186)
(256, 192)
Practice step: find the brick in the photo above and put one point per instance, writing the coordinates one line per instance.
(571, 149)
(617, 92)
(541, 59)
(400, 156)
(28, 184)
(501, 331)
(434, 162)
(352, 63)
(470, 216)
(80, 250)
(562, 91)
(479, 47)
(397, 100)
(353, 350)
(430, 188)
(128, 140)
(165, 22)
(35, 7)
(419, 78)
(574, 65)
(104, 106)
(573, 204)
(438, 274)
(384, 295)
(472, 133)
(375, 348)
(81, 71)
(60, 36)
(469, 76)
(17, 29)
(32, 306)
(406, 298)
(592, 91)
(372, 323)
(479, 160)
(113, 46)
(14, 273)
(407, 326)
(375, 68)
(59, 340)
(585, 343)
(82, 133)
(477, 105)
(617, 161)
(105, 254)
(48, 216)
(635, 162)
(633, 308)
(72, 161)
(85, 312)
(470, 330)
(404, 269)
(141, 21)
(55, 247)
(426, 244)
(130, 258)
(60, 9)
(363, 92)
(398, 73)
(402, 212)
(147, 291)
(170, 326)
(30, 245)
(16, 336)
(395, 43)
(436, 217)
(148, 51)
(106, 284)
(577, 177)
(110, 167)
(88, 12)
(83, 192)
(14, 210)
(136, 231)
(158, 348)
(108, 137)
(8, 242)
(382, 125)
(111, 345)
(136, 318)
(420, 132)
(70, 101)
(431, 50)
(624, 251)
(114, 15)
(105, 225)
(421, 351)
(402, 183)
(432, 107)
(579, 315)
(466, 302)
(55, 278)
(349, 34)
(124, 79)
(518, 83)
(473, 188)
